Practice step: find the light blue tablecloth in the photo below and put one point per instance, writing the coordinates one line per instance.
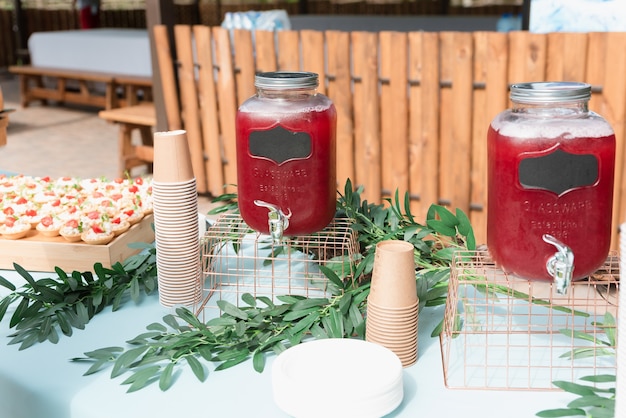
(41, 382)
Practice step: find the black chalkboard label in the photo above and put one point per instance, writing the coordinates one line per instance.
(279, 144)
(558, 171)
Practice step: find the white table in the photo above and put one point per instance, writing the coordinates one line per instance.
(41, 382)
(115, 51)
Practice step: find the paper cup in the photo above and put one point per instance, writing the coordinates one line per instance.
(172, 159)
(393, 277)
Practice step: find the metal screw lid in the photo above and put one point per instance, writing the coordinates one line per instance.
(286, 80)
(550, 92)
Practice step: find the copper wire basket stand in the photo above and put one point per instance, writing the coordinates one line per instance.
(505, 333)
(236, 260)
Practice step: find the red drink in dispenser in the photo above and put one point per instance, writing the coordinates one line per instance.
(286, 155)
(550, 182)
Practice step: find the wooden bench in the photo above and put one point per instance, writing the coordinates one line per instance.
(140, 117)
(33, 86)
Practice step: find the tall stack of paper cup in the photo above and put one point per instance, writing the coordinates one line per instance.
(620, 401)
(176, 227)
(392, 305)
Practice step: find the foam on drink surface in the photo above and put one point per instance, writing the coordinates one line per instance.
(531, 128)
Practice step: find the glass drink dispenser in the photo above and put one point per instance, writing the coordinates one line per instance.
(286, 156)
(550, 184)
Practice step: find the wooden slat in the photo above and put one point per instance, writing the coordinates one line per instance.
(493, 53)
(312, 44)
(265, 49)
(168, 78)
(339, 89)
(244, 62)
(567, 54)
(478, 172)
(424, 121)
(367, 114)
(612, 107)
(207, 96)
(527, 57)
(459, 161)
(227, 100)
(189, 103)
(446, 118)
(288, 50)
(394, 113)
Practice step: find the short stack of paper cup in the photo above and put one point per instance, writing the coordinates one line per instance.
(392, 305)
(176, 227)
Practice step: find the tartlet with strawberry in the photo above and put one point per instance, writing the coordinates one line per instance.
(14, 228)
(49, 226)
(97, 234)
(71, 230)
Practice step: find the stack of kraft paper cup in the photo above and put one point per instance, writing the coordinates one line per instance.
(392, 305)
(176, 226)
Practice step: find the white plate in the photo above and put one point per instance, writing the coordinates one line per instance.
(337, 378)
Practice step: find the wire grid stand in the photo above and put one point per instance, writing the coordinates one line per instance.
(505, 333)
(237, 260)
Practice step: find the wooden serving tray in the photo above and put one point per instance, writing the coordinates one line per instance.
(39, 253)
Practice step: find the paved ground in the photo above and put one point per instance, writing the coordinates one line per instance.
(58, 141)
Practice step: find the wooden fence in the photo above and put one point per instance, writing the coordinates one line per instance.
(413, 108)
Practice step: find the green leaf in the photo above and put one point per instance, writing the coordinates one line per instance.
(4, 305)
(19, 311)
(336, 324)
(574, 388)
(240, 358)
(232, 310)
(64, 324)
(331, 276)
(309, 303)
(554, 413)
(582, 336)
(26, 275)
(600, 378)
(464, 226)
(318, 332)
(589, 401)
(248, 299)
(106, 353)
(82, 312)
(135, 290)
(258, 361)
(610, 328)
(357, 320)
(290, 298)
(5, 283)
(196, 367)
(438, 329)
(293, 315)
(189, 317)
(441, 228)
(305, 323)
(125, 360)
(221, 321)
(165, 381)
(446, 217)
(156, 326)
(141, 378)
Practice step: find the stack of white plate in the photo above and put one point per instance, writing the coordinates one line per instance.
(337, 378)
